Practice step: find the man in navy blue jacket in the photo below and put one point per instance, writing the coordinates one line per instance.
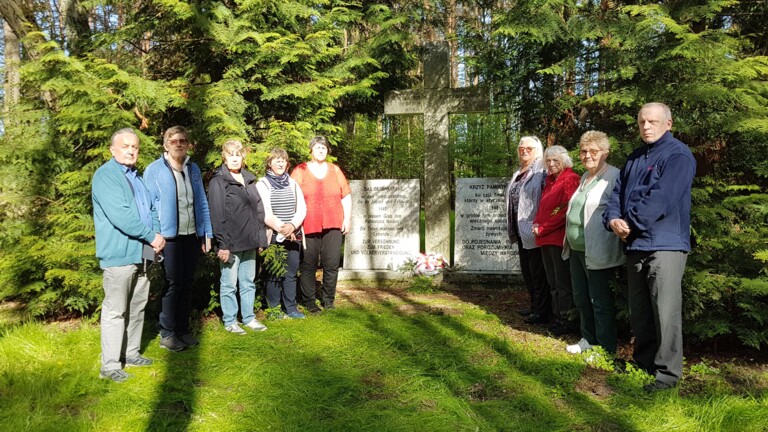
(650, 210)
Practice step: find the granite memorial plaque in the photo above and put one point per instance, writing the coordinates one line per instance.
(385, 224)
(482, 243)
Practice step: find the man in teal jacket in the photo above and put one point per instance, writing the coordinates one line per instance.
(127, 232)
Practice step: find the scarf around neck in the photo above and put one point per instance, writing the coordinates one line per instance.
(278, 181)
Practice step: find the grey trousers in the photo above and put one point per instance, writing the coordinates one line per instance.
(126, 290)
(655, 311)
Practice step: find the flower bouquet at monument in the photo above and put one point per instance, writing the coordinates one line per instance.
(425, 264)
(429, 264)
(424, 267)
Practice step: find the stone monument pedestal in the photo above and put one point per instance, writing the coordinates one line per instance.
(448, 280)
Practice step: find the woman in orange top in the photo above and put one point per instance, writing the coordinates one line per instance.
(329, 207)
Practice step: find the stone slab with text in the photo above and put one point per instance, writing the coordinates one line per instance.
(385, 224)
(482, 243)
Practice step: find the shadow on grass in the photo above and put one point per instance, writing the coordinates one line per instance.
(178, 393)
(428, 326)
(176, 398)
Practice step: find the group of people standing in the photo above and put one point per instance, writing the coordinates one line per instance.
(573, 233)
(167, 218)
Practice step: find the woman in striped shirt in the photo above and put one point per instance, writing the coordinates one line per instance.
(285, 210)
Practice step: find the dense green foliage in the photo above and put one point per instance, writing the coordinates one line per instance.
(274, 73)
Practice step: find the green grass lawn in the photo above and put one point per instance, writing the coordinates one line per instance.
(385, 360)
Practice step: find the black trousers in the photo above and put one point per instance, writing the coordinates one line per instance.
(558, 273)
(327, 247)
(532, 266)
(181, 256)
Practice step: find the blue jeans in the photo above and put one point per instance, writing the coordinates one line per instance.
(241, 270)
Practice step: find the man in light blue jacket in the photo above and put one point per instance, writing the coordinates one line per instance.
(127, 232)
(176, 187)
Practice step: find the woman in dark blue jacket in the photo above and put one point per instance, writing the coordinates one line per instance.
(237, 216)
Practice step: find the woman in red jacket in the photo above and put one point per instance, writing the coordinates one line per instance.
(549, 229)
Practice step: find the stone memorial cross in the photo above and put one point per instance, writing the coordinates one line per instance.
(436, 101)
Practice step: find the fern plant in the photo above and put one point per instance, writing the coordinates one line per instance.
(275, 260)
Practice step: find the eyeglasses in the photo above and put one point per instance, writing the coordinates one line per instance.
(182, 141)
(591, 152)
(526, 149)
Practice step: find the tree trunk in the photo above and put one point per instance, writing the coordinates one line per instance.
(450, 12)
(19, 16)
(12, 78)
(76, 28)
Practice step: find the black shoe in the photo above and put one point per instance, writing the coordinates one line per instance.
(525, 312)
(313, 309)
(172, 343)
(329, 307)
(657, 386)
(559, 330)
(619, 366)
(535, 318)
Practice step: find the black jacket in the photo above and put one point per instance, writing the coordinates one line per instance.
(237, 214)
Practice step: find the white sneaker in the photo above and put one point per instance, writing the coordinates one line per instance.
(235, 329)
(579, 347)
(255, 325)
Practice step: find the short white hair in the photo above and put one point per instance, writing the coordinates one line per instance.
(556, 150)
(123, 131)
(664, 109)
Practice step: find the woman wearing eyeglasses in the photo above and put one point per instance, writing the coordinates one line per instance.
(523, 195)
(593, 251)
(549, 229)
(176, 187)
